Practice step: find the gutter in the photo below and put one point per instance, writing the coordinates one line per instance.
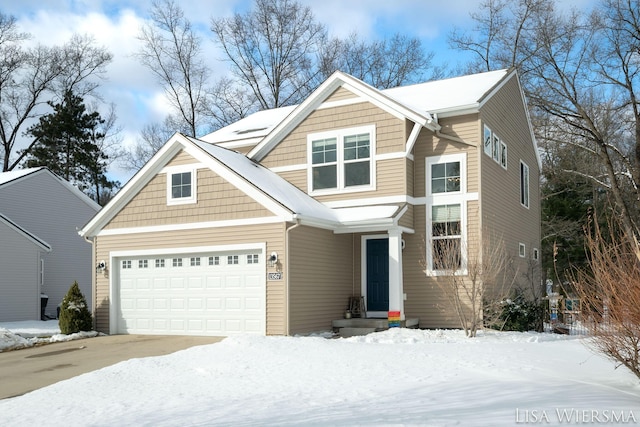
(450, 137)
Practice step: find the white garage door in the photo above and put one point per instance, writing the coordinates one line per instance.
(217, 293)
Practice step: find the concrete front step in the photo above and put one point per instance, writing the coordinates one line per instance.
(363, 326)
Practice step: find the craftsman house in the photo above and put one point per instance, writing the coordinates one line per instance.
(271, 224)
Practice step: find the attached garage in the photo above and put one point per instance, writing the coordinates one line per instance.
(187, 292)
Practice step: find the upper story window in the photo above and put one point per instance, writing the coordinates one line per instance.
(446, 220)
(524, 184)
(181, 187)
(445, 177)
(494, 147)
(341, 160)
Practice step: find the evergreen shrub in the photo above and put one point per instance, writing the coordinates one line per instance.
(74, 312)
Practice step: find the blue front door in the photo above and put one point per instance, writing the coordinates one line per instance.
(378, 275)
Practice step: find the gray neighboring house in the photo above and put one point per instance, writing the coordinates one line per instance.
(40, 249)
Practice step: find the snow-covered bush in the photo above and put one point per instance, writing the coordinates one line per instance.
(74, 312)
(515, 314)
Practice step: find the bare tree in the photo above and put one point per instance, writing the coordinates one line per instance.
(271, 49)
(152, 137)
(230, 103)
(472, 287)
(610, 296)
(385, 63)
(31, 77)
(172, 52)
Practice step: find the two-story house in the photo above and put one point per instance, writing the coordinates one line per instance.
(40, 250)
(271, 224)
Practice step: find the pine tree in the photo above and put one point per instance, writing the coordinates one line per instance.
(67, 145)
(74, 312)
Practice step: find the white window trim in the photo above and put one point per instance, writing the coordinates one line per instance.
(527, 189)
(182, 200)
(452, 198)
(488, 149)
(339, 134)
(536, 254)
(504, 155)
(522, 250)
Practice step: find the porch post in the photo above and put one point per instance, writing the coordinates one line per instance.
(396, 289)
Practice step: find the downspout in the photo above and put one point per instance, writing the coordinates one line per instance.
(286, 275)
(94, 277)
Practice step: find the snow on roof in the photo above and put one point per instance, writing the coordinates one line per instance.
(15, 174)
(268, 182)
(425, 98)
(449, 94)
(257, 125)
(286, 193)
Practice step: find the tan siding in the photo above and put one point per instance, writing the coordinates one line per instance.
(293, 149)
(321, 278)
(340, 94)
(407, 219)
(217, 201)
(182, 158)
(271, 234)
(390, 181)
(502, 212)
(429, 145)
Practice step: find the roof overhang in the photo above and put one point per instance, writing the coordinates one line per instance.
(336, 80)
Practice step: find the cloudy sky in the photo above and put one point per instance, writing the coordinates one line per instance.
(138, 97)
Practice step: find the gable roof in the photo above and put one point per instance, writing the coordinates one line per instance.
(419, 103)
(263, 185)
(26, 234)
(16, 176)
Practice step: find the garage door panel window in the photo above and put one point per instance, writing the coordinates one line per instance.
(143, 263)
(177, 262)
(252, 259)
(159, 263)
(214, 260)
(194, 261)
(232, 260)
(126, 264)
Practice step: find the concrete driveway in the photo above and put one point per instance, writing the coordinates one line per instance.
(25, 370)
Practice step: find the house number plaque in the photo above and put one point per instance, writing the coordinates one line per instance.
(274, 276)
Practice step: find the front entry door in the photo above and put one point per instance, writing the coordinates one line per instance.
(378, 275)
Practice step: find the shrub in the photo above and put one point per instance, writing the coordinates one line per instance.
(517, 314)
(74, 312)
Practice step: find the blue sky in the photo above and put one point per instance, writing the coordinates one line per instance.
(139, 99)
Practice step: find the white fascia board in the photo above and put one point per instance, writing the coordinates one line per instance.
(459, 110)
(336, 80)
(295, 117)
(135, 184)
(191, 226)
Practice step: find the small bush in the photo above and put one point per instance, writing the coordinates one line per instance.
(517, 314)
(74, 312)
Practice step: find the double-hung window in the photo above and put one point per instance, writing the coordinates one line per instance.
(342, 160)
(181, 185)
(446, 219)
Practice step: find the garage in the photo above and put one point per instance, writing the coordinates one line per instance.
(191, 293)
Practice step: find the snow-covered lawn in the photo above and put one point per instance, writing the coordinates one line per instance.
(398, 377)
(15, 335)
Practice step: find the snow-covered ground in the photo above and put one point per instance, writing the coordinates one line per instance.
(397, 377)
(15, 335)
